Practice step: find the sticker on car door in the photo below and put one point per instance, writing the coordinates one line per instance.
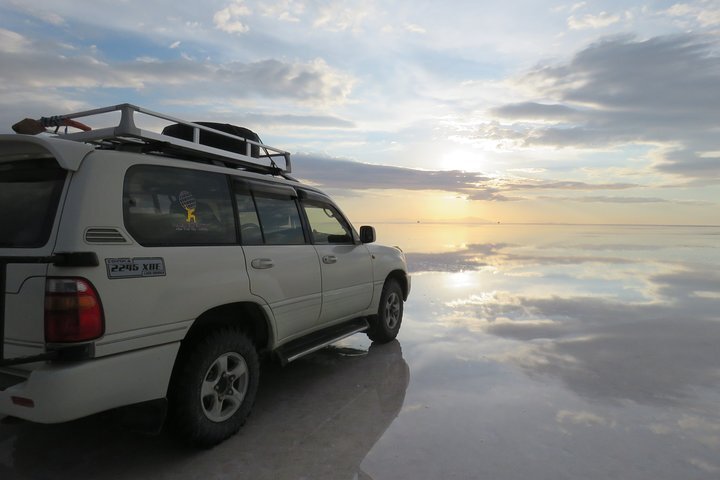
(135, 267)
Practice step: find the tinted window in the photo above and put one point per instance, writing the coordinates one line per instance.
(175, 206)
(326, 224)
(250, 233)
(29, 195)
(279, 220)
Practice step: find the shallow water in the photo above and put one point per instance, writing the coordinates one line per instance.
(560, 352)
(525, 352)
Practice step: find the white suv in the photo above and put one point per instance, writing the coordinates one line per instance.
(139, 267)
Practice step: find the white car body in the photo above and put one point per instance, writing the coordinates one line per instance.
(279, 293)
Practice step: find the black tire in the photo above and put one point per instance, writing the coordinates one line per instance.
(213, 388)
(385, 326)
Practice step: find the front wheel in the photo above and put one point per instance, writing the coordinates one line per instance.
(385, 326)
(214, 388)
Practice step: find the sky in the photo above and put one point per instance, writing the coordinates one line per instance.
(454, 111)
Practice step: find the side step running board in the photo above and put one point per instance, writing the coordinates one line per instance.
(315, 341)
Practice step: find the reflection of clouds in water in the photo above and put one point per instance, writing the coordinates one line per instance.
(649, 364)
(471, 257)
(610, 247)
(655, 352)
(608, 343)
(700, 428)
(688, 285)
(476, 256)
(658, 363)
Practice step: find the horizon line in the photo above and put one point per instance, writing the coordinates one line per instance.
(440, 222)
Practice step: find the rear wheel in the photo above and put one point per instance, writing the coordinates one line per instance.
(385, 326)
(214, 388)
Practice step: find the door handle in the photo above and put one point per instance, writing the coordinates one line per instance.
(329, 259)
(262, 263)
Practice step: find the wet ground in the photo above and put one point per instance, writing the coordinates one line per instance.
(526, 352)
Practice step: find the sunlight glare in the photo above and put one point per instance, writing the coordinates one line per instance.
(461, 279)
(464, 160)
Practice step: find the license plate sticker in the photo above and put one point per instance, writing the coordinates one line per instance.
(135, 267)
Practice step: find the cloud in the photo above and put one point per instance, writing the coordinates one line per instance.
(690, 164)
(705, 13)
(343, 15)
(43, 14)
(34, 67)
(528, 184)
(355, 175)
(312, 121)
(346, 174)
(413, 28)
(621, 74)
(580, 418)
(623, 200)
(314, 80)
(536, 111)
(621, 91)
(12, 42)
(601, 20)
(284, 10)
(230, 18)
(704, 465)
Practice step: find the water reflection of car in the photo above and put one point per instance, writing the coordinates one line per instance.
(343, 400)
(317, 418)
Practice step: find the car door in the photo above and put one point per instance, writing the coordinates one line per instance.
(345, 263)
(283, 266)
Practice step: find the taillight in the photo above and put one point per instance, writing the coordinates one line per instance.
(73, 312)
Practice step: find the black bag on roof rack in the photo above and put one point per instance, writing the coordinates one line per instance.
(185, 132)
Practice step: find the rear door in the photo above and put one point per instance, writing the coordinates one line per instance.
(31, 188)
(282, 265)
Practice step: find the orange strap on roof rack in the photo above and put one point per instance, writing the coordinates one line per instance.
(30, 126)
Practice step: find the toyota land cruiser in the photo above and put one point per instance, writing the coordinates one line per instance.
(139, 266)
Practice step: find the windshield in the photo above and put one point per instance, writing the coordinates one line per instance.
(29, 194)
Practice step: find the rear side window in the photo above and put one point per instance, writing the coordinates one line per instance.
(250, 232)
(279, 220)
(176, 206)
(29, 196)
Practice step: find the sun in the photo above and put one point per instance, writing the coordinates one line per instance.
(459, 159)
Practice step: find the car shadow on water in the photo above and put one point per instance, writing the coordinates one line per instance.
(316, 418)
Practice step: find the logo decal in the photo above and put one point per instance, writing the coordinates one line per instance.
(187, 201)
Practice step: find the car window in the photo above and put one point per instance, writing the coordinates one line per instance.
(29, 196)
(250, 232)
(176, 206)
(279, 219)
(326, 224)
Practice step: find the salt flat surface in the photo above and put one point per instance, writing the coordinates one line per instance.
(545, 352)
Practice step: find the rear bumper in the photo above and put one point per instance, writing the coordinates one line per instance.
(66, 391)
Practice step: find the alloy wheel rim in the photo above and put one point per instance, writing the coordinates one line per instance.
(392, 311)
(224, 387)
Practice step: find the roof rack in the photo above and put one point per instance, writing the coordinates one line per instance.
(126, 132)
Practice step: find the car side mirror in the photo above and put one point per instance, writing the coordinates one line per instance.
(367, 234)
